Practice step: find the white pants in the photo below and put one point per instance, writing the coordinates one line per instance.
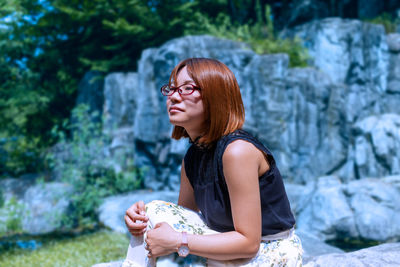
(282, 249)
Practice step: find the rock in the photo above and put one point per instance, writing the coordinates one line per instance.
(306, 116)
(387, 255)
(328, 214)
(394, 71)
(299, 195)
(90, 91)
(112, 210)
(394, 180)
(120, 104)
(393, 41)
(375, 212)
(45, 203)
(377, 145)
(361, 209)
(16, 187)
(37, 206)
(313, 246)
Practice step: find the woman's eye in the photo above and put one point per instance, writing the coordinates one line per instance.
(187, 87)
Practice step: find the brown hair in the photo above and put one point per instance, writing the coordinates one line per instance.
(223, 105)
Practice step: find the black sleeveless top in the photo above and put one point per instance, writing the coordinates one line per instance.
(204, 170)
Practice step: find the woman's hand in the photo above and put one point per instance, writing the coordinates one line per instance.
(162, 240)
(136, 219)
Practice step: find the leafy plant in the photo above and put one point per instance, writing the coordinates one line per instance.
(387, 20)
(11, 214)
(259, 35)
(83, 161)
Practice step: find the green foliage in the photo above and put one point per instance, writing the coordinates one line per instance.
(260, 35)
(11, 214)
(20, 98)
(46, 46)
(82, 162)
(387, 20)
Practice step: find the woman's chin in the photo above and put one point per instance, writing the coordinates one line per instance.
(176, 122)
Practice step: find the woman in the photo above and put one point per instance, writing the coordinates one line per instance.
(226, 174)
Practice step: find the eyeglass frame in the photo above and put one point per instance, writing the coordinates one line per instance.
(178, 89)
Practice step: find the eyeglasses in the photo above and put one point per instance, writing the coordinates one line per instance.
(184, 89)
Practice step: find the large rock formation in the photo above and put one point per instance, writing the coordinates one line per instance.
(387, 255)
(361, 209)
(316, 120)
(337, 119)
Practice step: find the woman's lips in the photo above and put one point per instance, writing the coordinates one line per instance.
(175, 109)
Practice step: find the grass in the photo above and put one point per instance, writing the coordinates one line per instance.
(81, 251)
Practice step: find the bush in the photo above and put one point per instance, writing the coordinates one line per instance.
(387, 20)
(11, 214)
(260, 36)
(82, 160)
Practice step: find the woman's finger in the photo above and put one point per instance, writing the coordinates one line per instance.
(135, 216)
(134, 225)
(141, 207)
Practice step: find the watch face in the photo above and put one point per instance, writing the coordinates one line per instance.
(183, 251)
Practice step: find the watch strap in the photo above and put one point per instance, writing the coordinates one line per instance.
(184, 239)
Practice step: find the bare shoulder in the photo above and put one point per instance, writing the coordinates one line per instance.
(241, 149)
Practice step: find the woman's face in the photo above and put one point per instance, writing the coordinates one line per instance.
(186, 111)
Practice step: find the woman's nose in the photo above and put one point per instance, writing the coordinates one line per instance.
(175, 97)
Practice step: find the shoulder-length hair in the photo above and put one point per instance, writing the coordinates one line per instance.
(223, 105)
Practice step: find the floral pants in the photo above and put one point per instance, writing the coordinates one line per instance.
(272, 253)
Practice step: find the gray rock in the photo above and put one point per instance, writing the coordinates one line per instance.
(299, 195)
(38, 206)
(394, 180)
(393, 41)
(386, 255)
(304, 115)
(313, 246)
(375, 212)
(120, 104)
(360, 209)
(377, 145)
(90, 91)
(112, 210)
(12, 187)
(394, 71)
(45, 204)
(328, 214)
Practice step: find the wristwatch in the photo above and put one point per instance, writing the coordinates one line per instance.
(183, 249)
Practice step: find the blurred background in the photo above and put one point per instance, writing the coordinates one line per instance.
(84, 132)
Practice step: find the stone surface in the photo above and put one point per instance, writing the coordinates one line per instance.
(377, 145)
(112, 211)
(373, 202)
(304, 115)
(38, 206)
(387, 255)
(91, 91)
(328, 214)
(45, 203)
(360, 209)
(335, 119)
(393, 40)
(314, 246)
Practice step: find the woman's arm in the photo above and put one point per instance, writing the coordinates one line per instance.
(241, 162)
(186, 194)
